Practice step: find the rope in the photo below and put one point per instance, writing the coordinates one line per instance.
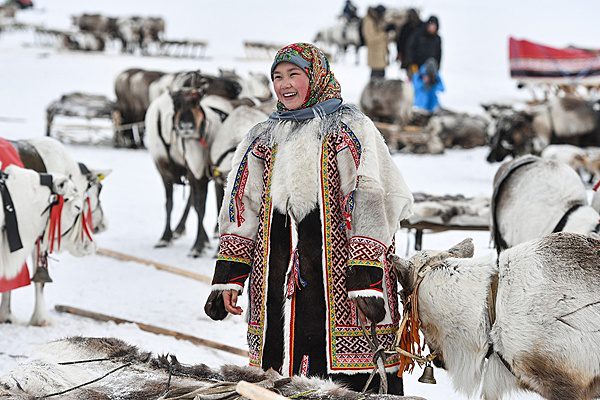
(408, 339)
(84, 361)
(87, 383)
(379, 357)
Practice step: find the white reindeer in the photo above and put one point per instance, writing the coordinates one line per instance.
(229, 136)
(179, 135)
(57, 159)
(33, 203)
(547, 316)
(534, 197)
(77, 236)
(339, 37)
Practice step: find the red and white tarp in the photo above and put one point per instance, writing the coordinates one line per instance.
(535, 62)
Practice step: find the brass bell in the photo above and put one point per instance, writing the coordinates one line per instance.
(427, 376)
(41, 275)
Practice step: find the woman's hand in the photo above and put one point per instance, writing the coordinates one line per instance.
(230, 298)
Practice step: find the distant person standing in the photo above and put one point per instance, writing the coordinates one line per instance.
(424, 44)
(427, 83)
(350, 11)
(376, 40)
(413, 24)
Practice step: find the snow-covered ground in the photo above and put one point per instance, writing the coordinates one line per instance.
(475, 68)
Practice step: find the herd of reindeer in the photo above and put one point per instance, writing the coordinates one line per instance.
(95, 31)
(532, 310)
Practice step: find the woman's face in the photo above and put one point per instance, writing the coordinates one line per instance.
(291, 85)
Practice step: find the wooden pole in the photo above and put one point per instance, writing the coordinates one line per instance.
(255, 392)
(152, 329)
(160, 266)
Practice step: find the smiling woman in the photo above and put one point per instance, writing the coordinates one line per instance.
(291, 85)
(311, 208)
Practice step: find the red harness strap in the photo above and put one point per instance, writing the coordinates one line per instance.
(55, 229)
(86, 219)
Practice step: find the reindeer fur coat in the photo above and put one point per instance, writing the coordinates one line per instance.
(305, 203)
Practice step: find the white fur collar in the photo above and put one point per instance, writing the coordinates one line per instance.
(295, 179)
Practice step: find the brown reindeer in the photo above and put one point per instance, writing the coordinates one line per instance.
(181, 127)
(133, 98)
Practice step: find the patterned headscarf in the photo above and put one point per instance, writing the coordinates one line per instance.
(323, 85)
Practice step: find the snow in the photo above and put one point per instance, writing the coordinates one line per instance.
(475, 69)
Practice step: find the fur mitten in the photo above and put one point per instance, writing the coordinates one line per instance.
(215, 306)
(365, 284)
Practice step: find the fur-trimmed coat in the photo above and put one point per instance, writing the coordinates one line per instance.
(307, 203)
(376, 40)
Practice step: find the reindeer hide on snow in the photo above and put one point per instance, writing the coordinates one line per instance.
(147, 377)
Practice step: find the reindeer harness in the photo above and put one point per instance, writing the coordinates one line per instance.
(10, 216)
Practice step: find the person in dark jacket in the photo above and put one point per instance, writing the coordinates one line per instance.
(412, 25)
(426, 43)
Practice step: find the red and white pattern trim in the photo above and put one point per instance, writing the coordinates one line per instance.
(366, 251)
(304, 366)
(236, 248)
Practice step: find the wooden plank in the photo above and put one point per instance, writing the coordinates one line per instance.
(129, 126)
(255, 392)
(442, 228)
(152, 329)
(413, 128)
(160, 266)
(81, 127)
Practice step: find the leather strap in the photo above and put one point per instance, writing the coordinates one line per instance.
(10, 217)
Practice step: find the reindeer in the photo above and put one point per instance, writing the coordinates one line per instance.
(231, 133)
(534, 197)
(256, 86)
(34, 200)
(539, 333)
(132, 88)
(182, 126)
(342, 36)
(45, 155)
(388, 100)
(562, 120)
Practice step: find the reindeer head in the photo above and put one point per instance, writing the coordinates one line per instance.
(188, 118)
(511, 134)
(92, 205)
(412, 270)
(72, 201)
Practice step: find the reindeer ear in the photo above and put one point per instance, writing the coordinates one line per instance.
(464, 249)
(59, 185)
(100, 174)
(203, 86)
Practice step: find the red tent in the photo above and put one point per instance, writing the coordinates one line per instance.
(535, 62)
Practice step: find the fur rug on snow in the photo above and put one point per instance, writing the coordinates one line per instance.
(451, 210)
(144, 376)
